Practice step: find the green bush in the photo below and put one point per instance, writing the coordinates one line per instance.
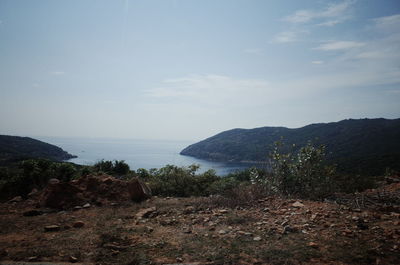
(116, 167)
(303, 173)
(178, 181)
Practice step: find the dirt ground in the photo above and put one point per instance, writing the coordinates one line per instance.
(201, 231)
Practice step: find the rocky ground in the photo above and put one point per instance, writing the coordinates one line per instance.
(363, 229)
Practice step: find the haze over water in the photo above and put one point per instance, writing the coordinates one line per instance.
(136, 153)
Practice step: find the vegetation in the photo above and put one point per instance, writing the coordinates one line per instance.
(116, 167)
(21, 178)
(293, 171)
(303, 173)
(15, 148)
(365, 147)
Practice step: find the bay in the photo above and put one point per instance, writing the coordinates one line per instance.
(137, 153)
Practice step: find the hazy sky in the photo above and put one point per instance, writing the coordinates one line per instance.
(187, 69)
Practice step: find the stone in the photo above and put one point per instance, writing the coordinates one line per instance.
(16, 199)
(298, 204)
(138, 190)
(78, 224)
(33, 192)
(33, 259)
(243, 233)
(284, 223)
(223, 211)
(51, 228)
(76, 208)
(289, 229)
(73, 259)
(222, 232)
(313, 244)
(32, 213)
(146, 213)
(188, 210)
(313, 217)
(3, 253)
(53, 181)
(257, 238)
(87, 205)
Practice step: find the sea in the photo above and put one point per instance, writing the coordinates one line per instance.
(137, 153)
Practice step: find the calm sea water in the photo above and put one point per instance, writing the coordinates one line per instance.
(136, 153)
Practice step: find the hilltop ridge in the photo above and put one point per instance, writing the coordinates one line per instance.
(354, 144)
(15, 148)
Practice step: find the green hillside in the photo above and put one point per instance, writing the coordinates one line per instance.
(15, 148)
(357, 146)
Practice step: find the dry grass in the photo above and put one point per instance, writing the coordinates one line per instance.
(113, 235)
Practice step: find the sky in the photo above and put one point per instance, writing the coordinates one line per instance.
(188, 69)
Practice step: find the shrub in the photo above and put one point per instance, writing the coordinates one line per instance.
(303, 173)
(179, 181)
(116, 167)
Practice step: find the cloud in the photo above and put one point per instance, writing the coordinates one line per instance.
(329, 16)
(57, 73)
(388, 21)
(317, 62)
(339, 45)
(253, 50)
(211, 89)
(383, 48)
(285, 37)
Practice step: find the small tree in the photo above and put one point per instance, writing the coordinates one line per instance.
(302, 173)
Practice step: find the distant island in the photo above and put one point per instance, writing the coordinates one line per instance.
(355, 145)
(16, 148)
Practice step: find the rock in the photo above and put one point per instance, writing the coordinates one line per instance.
(33, 193)
(33, 259)
(149, 229)
(51, 228)
(187, 231)
(54, 181)
(3, 253)
(73, 259)
(76, 208)
(16, 199)
(289, 229)
(313, 244)
(61, 196)
(78, 224)
(223, 211)
(32, 213)
(86, 205)
(361, 225)
(188, 210)
(146, 213)
(313, 217)
(298, 204)
(114, 247)
(284, 223)
(243, 233)
(257, 238)
(222, 232)
(138, 190)
(102, 189)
